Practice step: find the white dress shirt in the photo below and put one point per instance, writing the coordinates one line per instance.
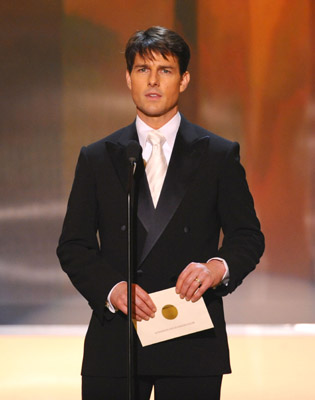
(169, 131)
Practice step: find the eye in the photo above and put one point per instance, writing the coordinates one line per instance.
(166, 71)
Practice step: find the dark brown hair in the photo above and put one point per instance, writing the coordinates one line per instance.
(157, 40)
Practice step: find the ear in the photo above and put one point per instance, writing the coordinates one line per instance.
(128, 79)
(184, 82)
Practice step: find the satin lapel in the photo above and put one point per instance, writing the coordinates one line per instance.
(117, 152)
(145, 208)
(184, 162)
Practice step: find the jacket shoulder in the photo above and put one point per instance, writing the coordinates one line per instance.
(216, 142)
(115, 138)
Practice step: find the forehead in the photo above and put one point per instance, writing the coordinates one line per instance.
(155, 58)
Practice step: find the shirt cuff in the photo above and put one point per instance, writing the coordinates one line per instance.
(108, 303)
(226, 276)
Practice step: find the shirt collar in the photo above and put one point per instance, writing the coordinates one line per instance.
(169, 130)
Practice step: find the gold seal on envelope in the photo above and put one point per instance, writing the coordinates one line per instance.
(169, 311)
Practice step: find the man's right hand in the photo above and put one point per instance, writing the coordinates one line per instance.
(142, 307)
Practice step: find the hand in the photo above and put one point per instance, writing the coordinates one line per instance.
(196, 278)
(142, 307)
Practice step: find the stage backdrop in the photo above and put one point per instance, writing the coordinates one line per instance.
(63, 86)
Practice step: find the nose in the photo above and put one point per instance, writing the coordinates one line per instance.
(153, 79)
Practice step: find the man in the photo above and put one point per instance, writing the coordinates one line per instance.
(201, 188)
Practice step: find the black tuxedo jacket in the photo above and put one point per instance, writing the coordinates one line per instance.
(205, 190)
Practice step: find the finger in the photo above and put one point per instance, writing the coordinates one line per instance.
(198, 293)
(139, 310)
(206, 284)
(143, 306)
(145, 297)
(198, 286)
(142, 310)
(189, 283)
(182, 277)
(193, 288)
(139, 314)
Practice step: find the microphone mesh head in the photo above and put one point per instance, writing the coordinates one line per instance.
(133, 150)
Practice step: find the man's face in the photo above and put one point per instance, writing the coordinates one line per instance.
(155, 86)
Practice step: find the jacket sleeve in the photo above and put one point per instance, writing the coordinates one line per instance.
(78, 250)
(243, 242)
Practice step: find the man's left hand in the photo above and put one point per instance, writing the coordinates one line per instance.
(196, 278)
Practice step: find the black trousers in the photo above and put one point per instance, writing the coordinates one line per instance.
(166, 388)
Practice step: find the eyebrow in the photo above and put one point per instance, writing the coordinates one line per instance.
(148, 66)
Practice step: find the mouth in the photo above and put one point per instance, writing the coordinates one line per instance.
(153, 95)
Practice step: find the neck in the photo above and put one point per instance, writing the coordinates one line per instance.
(156, 122)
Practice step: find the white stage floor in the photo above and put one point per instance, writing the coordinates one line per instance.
(269, 362)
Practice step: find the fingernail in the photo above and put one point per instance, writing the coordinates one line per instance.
(152, 315)
(181, 296)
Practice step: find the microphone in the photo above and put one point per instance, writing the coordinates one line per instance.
(133, 152)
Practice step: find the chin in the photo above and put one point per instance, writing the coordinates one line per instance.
(152, 113)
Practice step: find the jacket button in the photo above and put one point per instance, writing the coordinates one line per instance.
(123, 228)
(140, 272)
(186, 229)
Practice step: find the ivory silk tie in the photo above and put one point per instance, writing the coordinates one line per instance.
(156, 166)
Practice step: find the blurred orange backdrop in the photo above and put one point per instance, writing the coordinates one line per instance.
(251, 82)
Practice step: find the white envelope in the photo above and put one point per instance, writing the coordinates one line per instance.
(174, 317)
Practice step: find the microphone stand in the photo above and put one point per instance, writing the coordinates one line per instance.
(131, 377)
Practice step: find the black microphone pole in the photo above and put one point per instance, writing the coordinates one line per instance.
(133, 153)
